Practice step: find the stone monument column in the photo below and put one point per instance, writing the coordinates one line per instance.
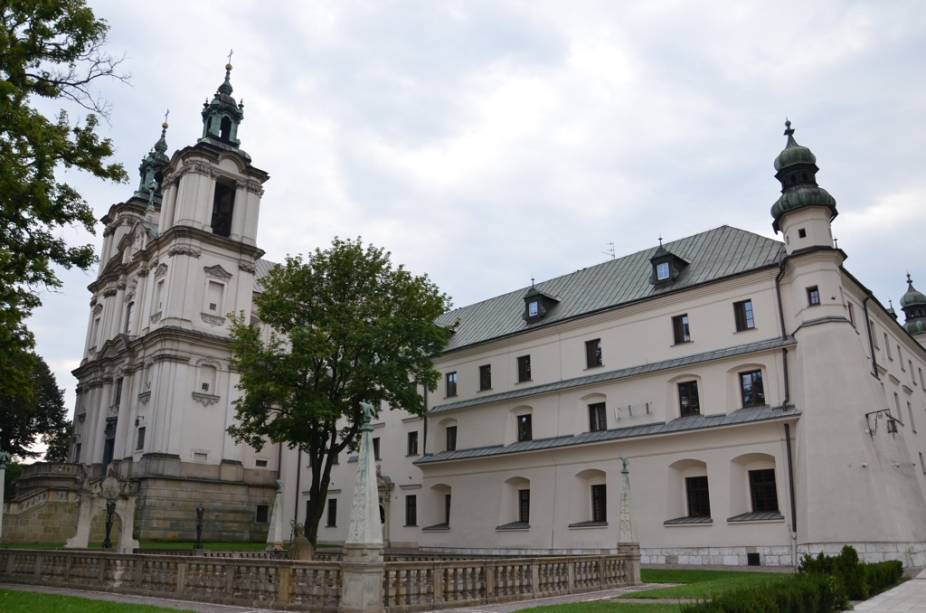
(4, 460)
(277, 534)
(362, 568)
(627, 542)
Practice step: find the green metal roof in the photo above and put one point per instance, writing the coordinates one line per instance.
(712, 255)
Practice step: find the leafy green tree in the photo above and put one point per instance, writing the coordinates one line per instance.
(52, 50)
(347, 327)
(13, 470)
(59, 443)
(26, 416)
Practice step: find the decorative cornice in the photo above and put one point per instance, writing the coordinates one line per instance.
(205, 399)
(161, 269)
(109, 292)
(213, 320)
(246, 266)
(183, 250)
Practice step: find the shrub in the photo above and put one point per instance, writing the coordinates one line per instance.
(882, 575)
(860, 580)
(808, 593)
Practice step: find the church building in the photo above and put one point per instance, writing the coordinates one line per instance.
(767, 403)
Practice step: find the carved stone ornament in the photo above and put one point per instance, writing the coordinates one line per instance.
(144, 397)
(205, 399)
(217, 271)
(184, 250)
(161, 269)
(143, 271)
(155, 317)
(109, 292)
(97, 309)
(254, 187)
(213, 320)
(199, 168)
(246, 267)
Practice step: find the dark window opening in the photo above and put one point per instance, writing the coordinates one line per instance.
(699, 502)
(260, 463)
(223, 205)
(524, 428)
(140, 440)
(225, 129)
(524, 506)
(77, 449)
(813, 295)
(597, 417)
(524, 368)
(485, 377)
(332, 519)
(593, 353)
(447, 509)
(411, 510)
(742, 312)
(753, 559)
(801, 233)
(599, 503)
(762, 490)
(376, 455)
(263, 512)
(751, 387)
(688, 401)
(451, 438)
(117, 394)
(382, 514)
(680, 329)
(451, 384)
(412, 447)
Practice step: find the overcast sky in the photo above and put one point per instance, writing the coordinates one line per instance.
(486, 143)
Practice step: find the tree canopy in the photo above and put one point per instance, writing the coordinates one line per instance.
(51, 49)
(346, 327)
(26, 416)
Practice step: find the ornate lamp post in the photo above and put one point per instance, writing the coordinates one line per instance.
(200, 511)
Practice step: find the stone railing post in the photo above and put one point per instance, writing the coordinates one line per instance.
(602, 581)
(362, 569)
(488, 572)
(181, 577)
(284, 585)
(535, 578)
(437, 583)
(571, 575)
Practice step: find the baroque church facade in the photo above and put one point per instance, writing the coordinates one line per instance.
(766, 401)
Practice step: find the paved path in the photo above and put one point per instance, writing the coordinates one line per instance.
(505, 607)
(909, 597)
(167, 603)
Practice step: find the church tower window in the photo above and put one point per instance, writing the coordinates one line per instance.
(214, 293)
(223, 206)
(225, 128)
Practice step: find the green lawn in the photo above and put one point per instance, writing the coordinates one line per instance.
(701, 583)
(229, 546)
(12, 601)
(607, 607)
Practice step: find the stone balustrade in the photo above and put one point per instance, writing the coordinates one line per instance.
(250, 579)
(419, 585)
(313, 586)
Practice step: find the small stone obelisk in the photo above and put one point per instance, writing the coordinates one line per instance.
(276, 535)
(626, 535)
(362, 568)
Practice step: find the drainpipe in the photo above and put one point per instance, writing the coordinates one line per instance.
(781, 311)
(784, 360)
(424, 438)
(794, 561)
(298, 487)
(871, 342)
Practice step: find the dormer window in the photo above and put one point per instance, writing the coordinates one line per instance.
(662, 271)
(537, 304)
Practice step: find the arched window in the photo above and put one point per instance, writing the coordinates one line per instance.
(516, 504)
(439, 507)
(688, 494)
(225, 128)
(591, 490)
(753, 488)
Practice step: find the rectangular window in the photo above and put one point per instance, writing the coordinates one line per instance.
(524, 427)
(688, 398)
(214, 296)
(451, 384)
(451, 438)
(680, 329)
(897, 405)
(524, 368)
(599, 503)
(263, 513)
(910, 413)
(922, 382)
(742, 313)
(140, 439)
(699, 502)
(447, 509)
(912, 376)
(762, 491)
(223, 206)
(874, 334)
(332, 518)
(524, 506)
(159, 296)
(117, 393)
(662, 271)
(887, 347)
(376, 448)
(900, 358)
(597, 417)
(922, 460)
(412, 446)
(128, 317)
(533, 309)
(593, 353)
(260, 463)
(751, 388)
(813, 295)
(851, 314)
(96, 331)
(411, 510)
(485, 377)
(200, 458)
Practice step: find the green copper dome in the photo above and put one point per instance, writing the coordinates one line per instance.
(917, 326)
(912, 297)
(793, 153)
(796, 169)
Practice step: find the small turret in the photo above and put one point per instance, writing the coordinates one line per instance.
(152, 167)
(222, 116)
(913, 304)
(804, 210)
